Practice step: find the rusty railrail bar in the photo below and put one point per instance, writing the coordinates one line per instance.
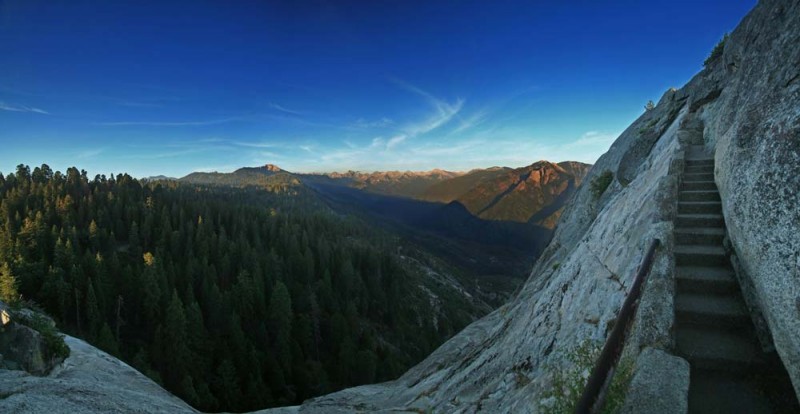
(593, 395)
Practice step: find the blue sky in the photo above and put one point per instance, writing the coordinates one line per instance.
(172, 87)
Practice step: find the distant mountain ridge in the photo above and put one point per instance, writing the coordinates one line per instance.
(495, 193)
(396, 183)
(269, 176)
(515, 194)
(534, 193)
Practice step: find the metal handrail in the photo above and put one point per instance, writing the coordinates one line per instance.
(593, 395)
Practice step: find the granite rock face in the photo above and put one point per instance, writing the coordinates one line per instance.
(88, 381)
(22, 347)
(659, 385)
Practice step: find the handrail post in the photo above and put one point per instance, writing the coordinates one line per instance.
(590, 401)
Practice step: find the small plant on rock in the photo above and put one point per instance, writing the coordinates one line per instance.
(716, 52)
(568, 381)
(54, 342)
(600, 183)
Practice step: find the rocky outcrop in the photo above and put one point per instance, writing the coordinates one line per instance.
(89, 381)
(22, 347)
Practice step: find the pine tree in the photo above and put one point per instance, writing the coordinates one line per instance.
(280, 317)
(8, 286)
(176, 361)
(93, 318)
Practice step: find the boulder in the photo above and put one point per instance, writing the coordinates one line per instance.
(660, 384)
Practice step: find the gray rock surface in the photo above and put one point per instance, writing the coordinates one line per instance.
(660, 384)
(23, 349)
(89, 381)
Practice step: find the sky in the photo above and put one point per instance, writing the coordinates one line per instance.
(171, 87)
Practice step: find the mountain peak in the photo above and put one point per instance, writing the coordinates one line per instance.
(272, 168)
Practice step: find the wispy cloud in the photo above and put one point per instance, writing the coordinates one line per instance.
(259, 144)
(396, 140)
(89, 153)
(443, 111)
(362, 123)
(158, 102)
(471, 121)
(167, 123)
(594, 139)
(21, 108)
(268, 154)
(283, 109)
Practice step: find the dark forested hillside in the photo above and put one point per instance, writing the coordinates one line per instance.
(234, 299)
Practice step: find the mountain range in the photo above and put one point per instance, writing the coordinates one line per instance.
(535, 193)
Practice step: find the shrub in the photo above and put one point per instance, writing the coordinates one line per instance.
(54, 342)
(618, 389)
(716, 52)
(600, 183)
(8, 286)
(568, 384)
(649, 106)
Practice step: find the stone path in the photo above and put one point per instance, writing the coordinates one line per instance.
(730, 373)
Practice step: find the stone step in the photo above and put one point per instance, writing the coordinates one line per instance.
(709, 280)
(708, 161)
(700, 207)
(699, 186)
(729, 392)
(719, 350)
(690, 177)
(702, 255)
(699, 220)
(699, 235)
(698, 196)
(694, 169)
(712, 311)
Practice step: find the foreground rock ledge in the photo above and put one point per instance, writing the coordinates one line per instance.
(89, 380)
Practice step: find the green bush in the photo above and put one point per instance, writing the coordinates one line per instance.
(600, 183)
(618, 389)
(568, 384)
(54, 342)
(717, 51)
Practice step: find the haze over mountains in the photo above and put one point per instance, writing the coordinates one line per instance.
(534, 193)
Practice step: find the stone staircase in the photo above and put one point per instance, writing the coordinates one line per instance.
(730, 373)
